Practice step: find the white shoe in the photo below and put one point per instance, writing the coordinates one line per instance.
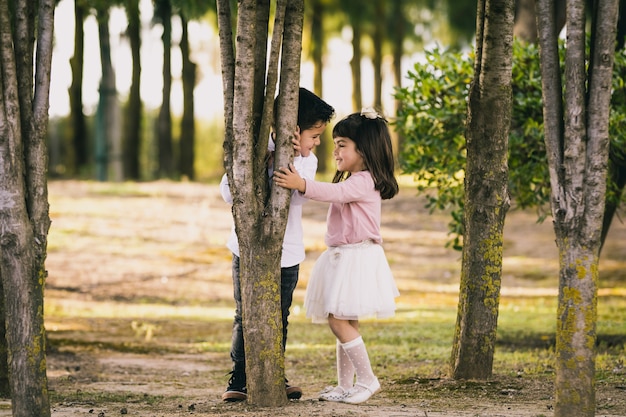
(361, 392)
(333, 394)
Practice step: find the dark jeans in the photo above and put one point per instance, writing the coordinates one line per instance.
(288, 282)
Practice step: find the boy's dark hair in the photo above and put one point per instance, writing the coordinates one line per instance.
(373, 143)
(312, 110)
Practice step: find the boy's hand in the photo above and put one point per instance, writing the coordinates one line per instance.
(296, 142)
(289, 178)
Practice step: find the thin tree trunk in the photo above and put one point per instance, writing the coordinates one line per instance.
(486, 192)
(79, 129)
(227, 59)
(164, 122)
(133, 116)
(377, 61)
(108, 138)
(355, 65)
(187, 129)
(398, 35)
(5, 388)
(317, 49)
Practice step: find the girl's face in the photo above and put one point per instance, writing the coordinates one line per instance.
(310, 138)
(346, 155)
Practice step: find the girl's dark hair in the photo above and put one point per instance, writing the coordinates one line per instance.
(373, 142)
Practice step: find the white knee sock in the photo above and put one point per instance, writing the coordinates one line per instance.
(345, 369)
(356, 351)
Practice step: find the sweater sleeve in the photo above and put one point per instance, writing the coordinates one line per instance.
(355, 188)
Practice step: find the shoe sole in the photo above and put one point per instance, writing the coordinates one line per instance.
(233, 397)
(294, 393)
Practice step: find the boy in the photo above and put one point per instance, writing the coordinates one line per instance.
(313, 116)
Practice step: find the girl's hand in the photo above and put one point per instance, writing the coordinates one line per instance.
(289, 178)
(296, 142)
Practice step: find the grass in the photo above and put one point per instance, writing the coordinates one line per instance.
(129, 274)
(415, 343)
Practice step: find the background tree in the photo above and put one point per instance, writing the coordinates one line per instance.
(356, 12)
(577, 142)
(188, 10)
(486, 193)
(134, 107)
(378, 37)
(77, 62)
(260, 213)
(317, 9)
(108, 135)
(165, 147)
(24, 212)
(187, 126)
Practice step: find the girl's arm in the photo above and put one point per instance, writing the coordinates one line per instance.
(289, 178)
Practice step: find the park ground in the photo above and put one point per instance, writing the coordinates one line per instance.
(139, 309)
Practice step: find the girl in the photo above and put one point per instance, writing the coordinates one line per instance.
(352, 278)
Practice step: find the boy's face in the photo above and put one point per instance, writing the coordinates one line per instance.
(310, 138)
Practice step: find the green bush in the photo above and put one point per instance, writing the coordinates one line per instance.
(432, 119)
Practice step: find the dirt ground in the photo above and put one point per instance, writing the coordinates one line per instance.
(162, 244)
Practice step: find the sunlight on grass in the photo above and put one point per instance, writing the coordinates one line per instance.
(110, 309)
(143, 269)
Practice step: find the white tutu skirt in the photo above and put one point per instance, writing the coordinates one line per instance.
(351, 282)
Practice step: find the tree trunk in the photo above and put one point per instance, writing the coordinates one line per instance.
(79, 129)
(526, 19)
(486, 192)
(260, 214)
(133, 116)
(617, 176)
(398, 35)
(317, 55)
(578, 157)
(377, 61)
(24, 218)
(187, 128)
(108, 138)
(5, 387)
(164, 121)
(355, 64)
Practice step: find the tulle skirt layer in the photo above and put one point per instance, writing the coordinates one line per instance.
(351, 282)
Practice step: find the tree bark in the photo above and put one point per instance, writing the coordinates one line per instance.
(108, 137)
(24, 218)
(578, 158)
(486, 192)
(317, 54)
(5, 387)
(260, 213)
(187, 128)
(133, 114)
(355, 63)
(377, 60)
(398, 34)
(79, 128)
(164, 121)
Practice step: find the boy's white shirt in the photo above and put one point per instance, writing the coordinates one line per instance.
(293, 243)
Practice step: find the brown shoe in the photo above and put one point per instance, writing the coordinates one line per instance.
(235, 396)
(293, 393)
(236, 390)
